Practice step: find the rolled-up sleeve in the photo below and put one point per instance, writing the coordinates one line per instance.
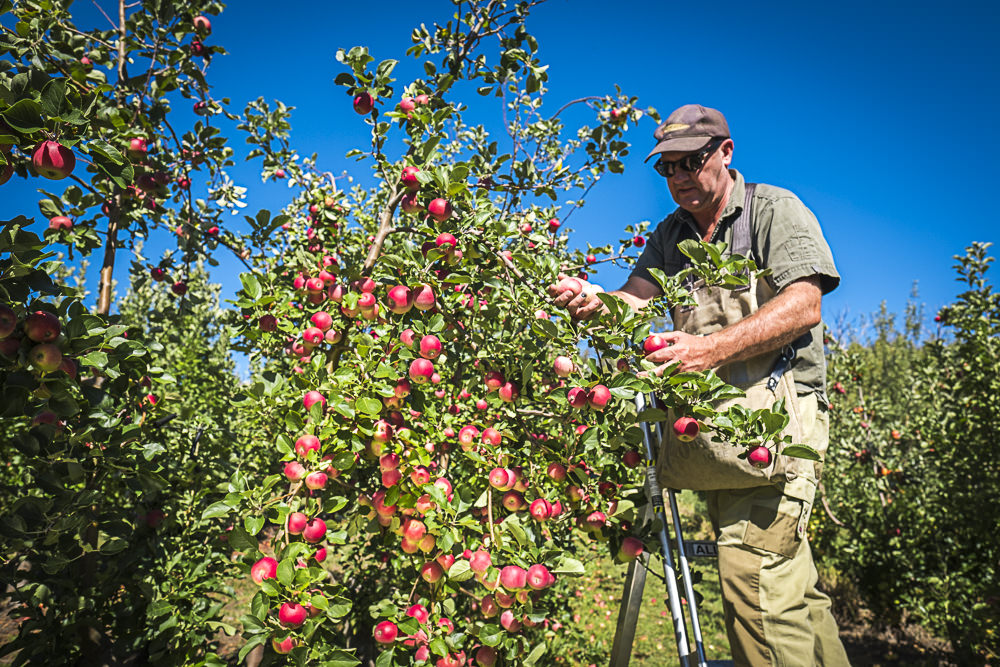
(792, 245)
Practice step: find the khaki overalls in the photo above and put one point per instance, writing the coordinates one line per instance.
(774, 613)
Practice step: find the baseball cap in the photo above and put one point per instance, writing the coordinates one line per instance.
(689, 128)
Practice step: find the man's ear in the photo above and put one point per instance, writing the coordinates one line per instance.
(727, 151)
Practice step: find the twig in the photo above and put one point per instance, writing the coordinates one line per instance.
(385, 222)
(826, 507)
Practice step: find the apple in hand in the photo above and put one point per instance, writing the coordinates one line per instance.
(653, 343)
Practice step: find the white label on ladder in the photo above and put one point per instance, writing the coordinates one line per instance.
(701, 549)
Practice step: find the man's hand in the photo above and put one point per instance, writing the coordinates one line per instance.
(577, 296)
(695, 353)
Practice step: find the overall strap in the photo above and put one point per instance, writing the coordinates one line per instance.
(742, 235)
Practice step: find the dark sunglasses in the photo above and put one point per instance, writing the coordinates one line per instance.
(692, 162)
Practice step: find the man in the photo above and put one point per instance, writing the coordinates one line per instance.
(767, 339)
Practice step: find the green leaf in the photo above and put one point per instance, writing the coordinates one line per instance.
(94, 358)
(286, 572)
(24, 116)
(253, 642)
(385, 658)
(250, 285)
(460, 571)
(801, 452)
(53, 97)
(253, 524)
(216, 510)
(369, 405)
(569, 566)
(535, 655)
(107, 151)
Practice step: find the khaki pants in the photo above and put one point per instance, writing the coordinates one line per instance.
(775, 615)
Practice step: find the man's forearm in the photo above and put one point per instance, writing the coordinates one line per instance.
(635, 303)
(794, 311)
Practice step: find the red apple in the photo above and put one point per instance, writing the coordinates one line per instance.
(363, 103)
(314, 531)
(179, 288)
(313, 397)
(631, 458)
(283, 646)
(292, 614)
(265, 568)
(407, 104)
(53, 160)
(577, 397)
(431, 572)
(400, 299)
(653, 343)
(491, 436)
(322, 320)
(509, 622)
(480, 561)
(294, 471)
(486, 656)
(423, 297)
(540, 509)
(440, 209)
(430, 347)
(563, 366)
(502, 479)
(297, 521)
(421, 370)
(316, 480)
(686, 429)
(410, 204)
(494, 380)
(539, 577)
(556, 471)
(409, 178)
(570, 285)
(508, 392)
(203, 25)
(60, 222)
(42, 326)
(598, 397)
(514, 501)
(136, 149)
(631, 548)
(513, 578)
(305, 444)
(419, 612)
(760, 457)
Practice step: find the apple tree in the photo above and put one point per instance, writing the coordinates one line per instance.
(93, 518)
(442, 440)
(912, 484)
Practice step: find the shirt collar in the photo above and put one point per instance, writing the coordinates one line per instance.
(737, 197)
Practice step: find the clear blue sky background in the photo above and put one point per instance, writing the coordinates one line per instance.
(879, 115)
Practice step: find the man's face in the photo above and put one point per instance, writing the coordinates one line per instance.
(703, 189)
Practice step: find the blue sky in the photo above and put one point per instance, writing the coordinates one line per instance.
(879, 115)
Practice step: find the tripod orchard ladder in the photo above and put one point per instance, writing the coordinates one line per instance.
(635, 580)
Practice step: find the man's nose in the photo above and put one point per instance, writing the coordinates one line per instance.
(681, 176)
